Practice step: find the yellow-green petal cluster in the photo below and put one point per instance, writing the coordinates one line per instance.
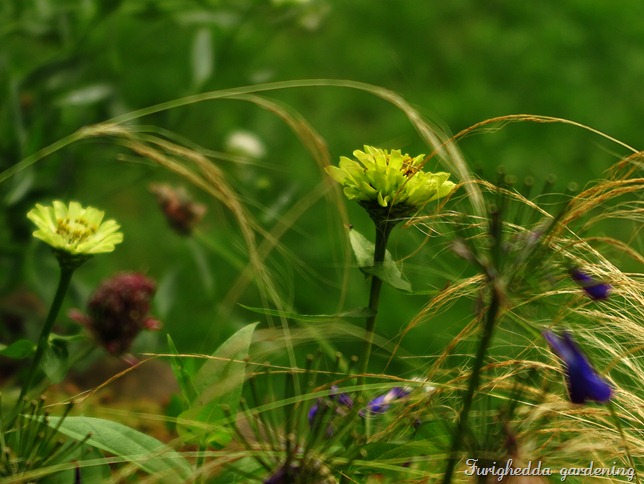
(389, 179)
(74, 229)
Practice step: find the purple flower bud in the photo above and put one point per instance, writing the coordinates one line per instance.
(341, 398)
(594, 289)
(313, 412)
(118, 311)
(583, 381)
(334, 394)
(381, 403)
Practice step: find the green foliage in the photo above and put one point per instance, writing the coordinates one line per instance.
(104, 97)
(388, 271)
(144, 451)
(18, 350)
(55, 362)
(213, 392)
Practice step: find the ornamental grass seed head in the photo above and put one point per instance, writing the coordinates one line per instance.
(583, 381)
(74, 232)
(382, 179)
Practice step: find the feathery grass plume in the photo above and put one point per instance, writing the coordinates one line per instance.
(540, 244)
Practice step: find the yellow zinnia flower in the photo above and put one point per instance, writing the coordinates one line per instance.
(73, 229)
(387, 179)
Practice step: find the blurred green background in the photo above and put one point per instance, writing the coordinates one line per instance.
(66, 64)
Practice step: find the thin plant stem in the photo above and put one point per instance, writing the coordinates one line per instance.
(475, 378)
(629, 456)
(383, 230)
(63, 284)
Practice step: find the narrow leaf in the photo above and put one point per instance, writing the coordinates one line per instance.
(218, 385)
(222, 377)
(358, 313)
(145, 452)
(181, 374)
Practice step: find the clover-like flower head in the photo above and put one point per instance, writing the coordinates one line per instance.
(389, 179)
(119, 310)
(583, 381)
(74, 230)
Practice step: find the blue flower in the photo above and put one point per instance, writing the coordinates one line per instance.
(596, 290)
(583, 381)
(380, 404)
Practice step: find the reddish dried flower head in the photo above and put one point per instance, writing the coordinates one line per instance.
(182, 213)
(118, 311)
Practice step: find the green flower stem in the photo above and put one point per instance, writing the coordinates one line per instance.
(383, 230)
(63, 284)
(475, 378)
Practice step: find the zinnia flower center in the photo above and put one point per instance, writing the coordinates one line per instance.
(74, 231)
(408, 169)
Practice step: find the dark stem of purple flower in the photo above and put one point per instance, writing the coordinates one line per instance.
(475, 378)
